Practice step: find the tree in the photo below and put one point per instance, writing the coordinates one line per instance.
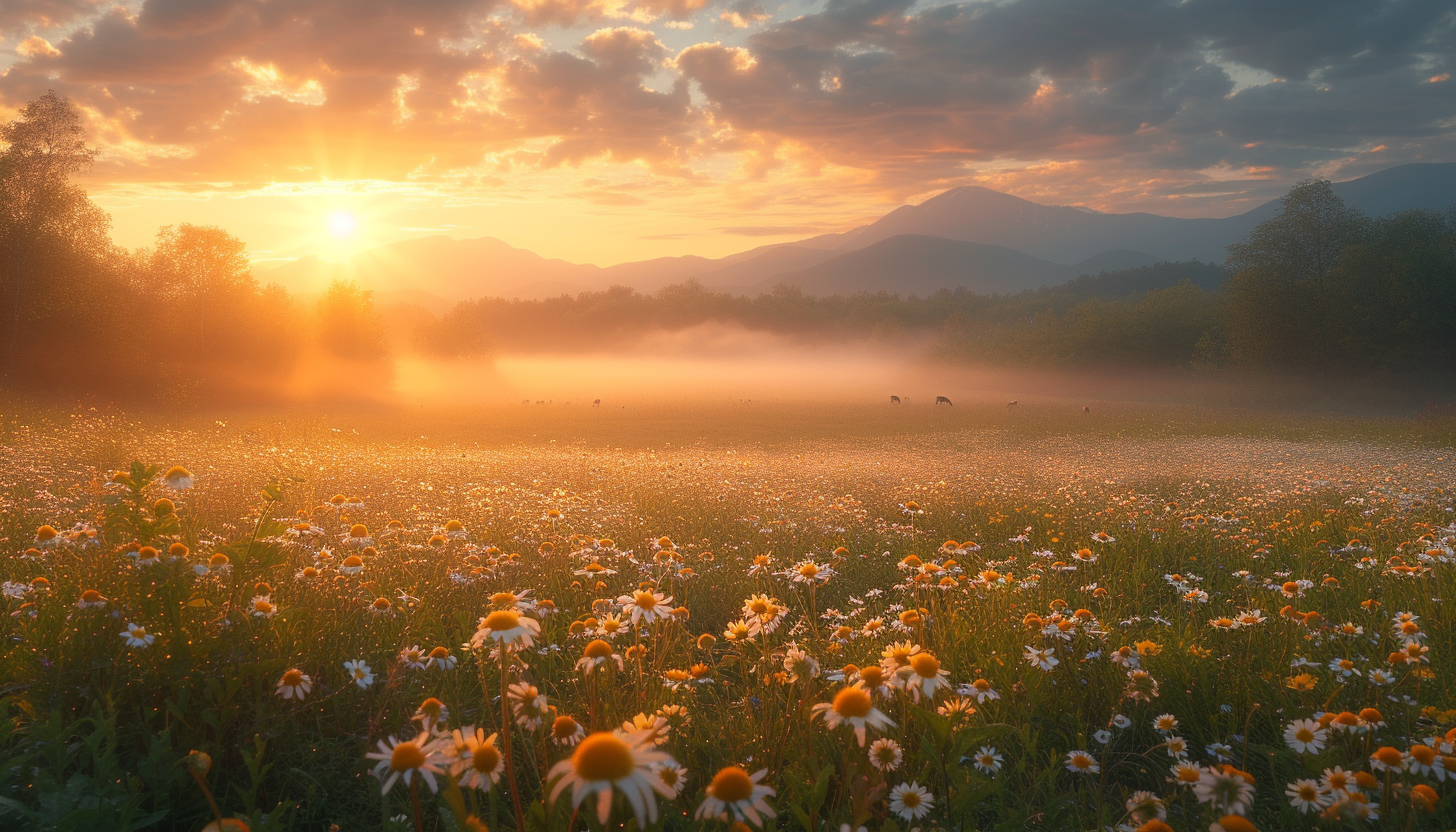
(1279, 293)
(348, 325)
(201, 266)
(49, 229)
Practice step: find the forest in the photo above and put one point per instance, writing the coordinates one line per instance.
(1318, 289)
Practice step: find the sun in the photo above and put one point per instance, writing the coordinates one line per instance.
(343, 224)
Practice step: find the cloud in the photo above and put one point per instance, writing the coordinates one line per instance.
(1115, 103)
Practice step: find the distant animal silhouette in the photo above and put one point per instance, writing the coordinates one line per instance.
(1086, 409)
(894, 400)
(597, 403)
(1011, 404)
(943, 399)
(525, 401)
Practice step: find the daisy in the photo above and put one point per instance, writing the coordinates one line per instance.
(413, 658)
(1305, 736)
(1081, 761)
(853, 706)
(809, 572)
(736, 793)
(1145, 806)
(885, 754)
(359, 673)
(673, 776)
(1306, 796)
(529, 705)
(137, 636)
(1380, 677)
(481, 762)
(178, 478)
(294, 684)
(981, 690)
(406, 759)
(987, 760)
(1337, 781)
(1041, 659)
(1386, 758)
(1228, 790)
(1177, 747)
(518, 601)
(262, 607)
(566, 731)
(608, 761)
(800, 665)
(596, 654)
(926, 677)
(440, 657)
(508, 628)
(647, 606)
(1165, 723)
(911, 801)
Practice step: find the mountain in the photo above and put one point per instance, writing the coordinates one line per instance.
(921, 258)
(919, 264)
(1066, 234)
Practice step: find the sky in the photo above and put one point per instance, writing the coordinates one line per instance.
(612, 130)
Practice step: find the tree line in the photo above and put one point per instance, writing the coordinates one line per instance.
(1318, 288)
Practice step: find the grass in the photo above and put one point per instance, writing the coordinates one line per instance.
(1229, 504)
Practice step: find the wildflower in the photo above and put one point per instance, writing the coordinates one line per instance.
(853, 706)
(926, 677)
(596, 654)
(1386, 758)
(1165, 723)
(911, 801)
(1228, 790)
(956, 708)
(607, 761)
(1041, 659)
(885, 754)
(646, 606)
(178, 478)
(735, 793)
(1082, 762)
(1306, 796)
(1102, 736)
(1177, 747)
(91, 599)
(566, 731)
(529, 705)
(800, 665)
(1232, 823)
(406, 759)
(507, 628)
(809, 572)
(987, 760)
(294, 684)
(673, 776)
(263, 607)
(1144, 806)
(982, 691)
(359, 673)
(482, 763)
(352, 565)
(413, 658)
(137, 636)
(1305, 736)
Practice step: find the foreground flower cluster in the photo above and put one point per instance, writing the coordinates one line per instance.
(1172, 656)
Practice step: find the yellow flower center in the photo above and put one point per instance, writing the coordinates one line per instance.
(731, 785)
(292, 678)
(926, 665)
(910, 799)
(808, 570)
(406, 756)
(563, 727)
(501, 620)
(1304, 735)
(852, 702)
(440, 653)
(603, 756)
(645, 600)
(485, 758)
(358, 530)
(597, 649)
(503, 599)
(872, 676)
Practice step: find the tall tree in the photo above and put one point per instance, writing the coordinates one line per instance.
(48, 226)
(201, 266)
(1280, 289)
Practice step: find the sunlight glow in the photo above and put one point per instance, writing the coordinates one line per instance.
(343, 224)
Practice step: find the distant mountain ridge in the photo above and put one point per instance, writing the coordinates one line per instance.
(972, 237)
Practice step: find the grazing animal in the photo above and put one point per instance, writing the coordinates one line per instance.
(1011, 404)
(894, 400)
(1086, 409)
(597, 403)
(943, 399)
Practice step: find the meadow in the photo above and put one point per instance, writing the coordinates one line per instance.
(834, 616)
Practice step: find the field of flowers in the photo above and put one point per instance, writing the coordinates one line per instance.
(957, 622)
